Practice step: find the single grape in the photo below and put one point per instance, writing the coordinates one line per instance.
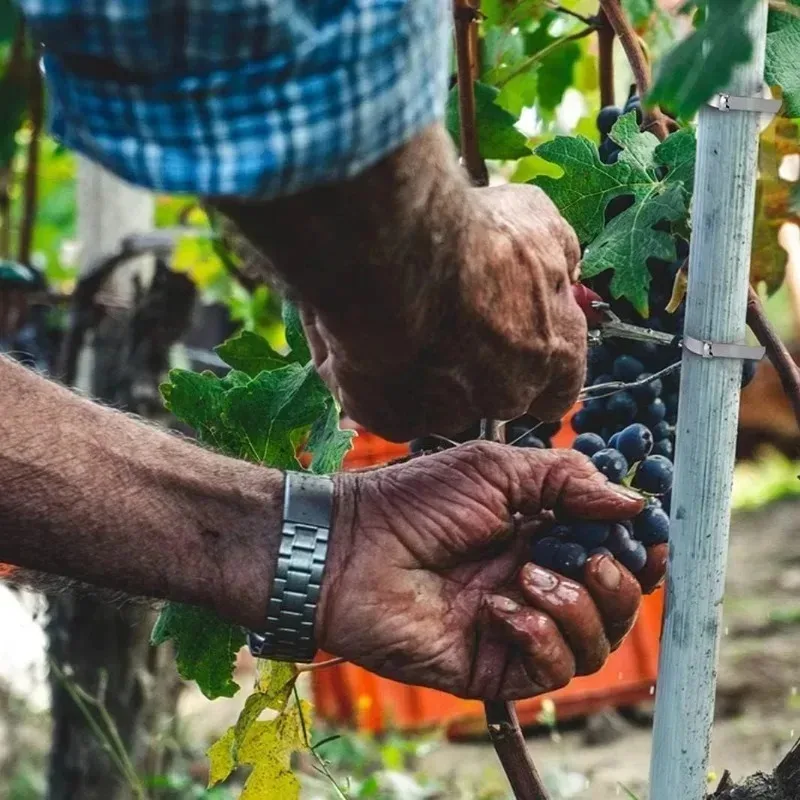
(633, 556)
(635, 442)
(544, 551)
(596, 405)
(654, 475)
(613, 156)
(618, 538)
(666, 502)
(570, 559)
(663, 447)
(662, 431)
(627, 368)
(561, 531)
(652, 526)
(621, 407)
(590, 533)
(604, 377)
(529, 440)
(682, 249)
(612, 442)
(546, 430)
(647, 392)
(599, 360)
(588, 444)
(654, 413)
(584, 421)
(611, 463)
(606, 119)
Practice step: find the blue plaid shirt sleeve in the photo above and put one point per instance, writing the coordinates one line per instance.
(252, 98)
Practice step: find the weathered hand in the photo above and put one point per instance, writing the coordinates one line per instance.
(502, 337)
(429, 581)
(428, 304)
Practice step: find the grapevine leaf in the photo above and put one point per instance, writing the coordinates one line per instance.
(498, 137)
(654, 176)
(519, 92)
(251, 354)
(783, 46)
(630, 239)
(205, 647)
(267, 747)
(295, 336)
(703, 63)
(328, 443)
(270, 408)
(198, 399)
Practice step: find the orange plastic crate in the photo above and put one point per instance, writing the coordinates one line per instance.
(350, 695)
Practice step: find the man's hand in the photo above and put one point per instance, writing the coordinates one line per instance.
(429, 304)
(429, 580)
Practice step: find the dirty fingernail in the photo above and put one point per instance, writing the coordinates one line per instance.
(539, 578)
(608, 574)
(503, 604)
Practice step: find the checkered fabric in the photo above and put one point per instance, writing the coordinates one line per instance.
(241, 97)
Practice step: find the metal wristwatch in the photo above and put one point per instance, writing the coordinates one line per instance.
(307, 514)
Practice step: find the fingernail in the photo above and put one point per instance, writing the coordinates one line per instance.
(539, 578)
(503, 604)
(608, 574)
(626, 491)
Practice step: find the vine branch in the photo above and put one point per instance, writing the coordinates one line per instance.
(465, 15)
(631, 44)
(605, 43)
(779, 355)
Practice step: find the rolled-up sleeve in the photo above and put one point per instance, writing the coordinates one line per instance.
(255, 98)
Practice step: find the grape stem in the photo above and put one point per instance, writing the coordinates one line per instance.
(779, 355)
(614, 387)
(655, 120)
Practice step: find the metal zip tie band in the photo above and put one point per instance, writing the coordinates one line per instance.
(706, 349)
(758, 105)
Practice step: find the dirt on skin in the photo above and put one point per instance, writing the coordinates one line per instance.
(758, 700)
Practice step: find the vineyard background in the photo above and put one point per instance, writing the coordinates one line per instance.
(594, 758)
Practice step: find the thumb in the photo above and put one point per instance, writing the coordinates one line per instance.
(566, 481)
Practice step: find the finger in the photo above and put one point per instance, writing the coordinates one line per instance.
(564, 481)
(655, 570)
(538, 643)
(616, 594)
(571, 607)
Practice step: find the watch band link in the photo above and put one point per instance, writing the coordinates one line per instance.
(307, 512)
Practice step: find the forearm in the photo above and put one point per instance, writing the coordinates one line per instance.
(94, 495)
(375, 256)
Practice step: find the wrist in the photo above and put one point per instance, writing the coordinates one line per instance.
(370, 256)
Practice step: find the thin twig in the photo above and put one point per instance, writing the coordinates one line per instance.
(779, 355)
(318, 665)
(31, 187)
(655, 120)
(570, 13)
(465, 16)
(605, 43)
(614, 387)
(538, 56)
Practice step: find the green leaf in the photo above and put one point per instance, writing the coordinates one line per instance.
(783, 56)
(328, 443)
(9, 17)
(556, 73)
(630, 239)
(295, 335)
(198, 399)
(497, 136)
(270, 408)
(205, 647)
(704, 62)
(519, 92)
(251, 354)
(657, 178)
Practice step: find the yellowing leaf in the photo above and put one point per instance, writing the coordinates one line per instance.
(267, 747)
